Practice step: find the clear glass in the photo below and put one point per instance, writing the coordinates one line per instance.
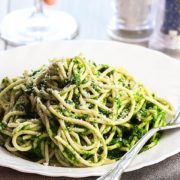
(31, 25)
(166, 36)
(133, 20)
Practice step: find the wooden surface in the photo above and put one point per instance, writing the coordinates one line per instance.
(93, 17)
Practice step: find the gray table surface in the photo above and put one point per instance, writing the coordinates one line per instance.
(93, 17)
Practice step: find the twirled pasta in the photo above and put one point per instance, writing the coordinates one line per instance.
(76, 113)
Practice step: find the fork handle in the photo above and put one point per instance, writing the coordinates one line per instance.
(116, 172)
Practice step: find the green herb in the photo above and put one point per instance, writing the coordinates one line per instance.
(23, 104)
(138, 96)
(139, 132)
(124, 113)
(29, 89)
(54, 124)
(71, 156)
(37, 145)
(2, 126)
(118, 102)
(71, 102)
(96, 87)
(35, 72)
(141, 114)
(82, 116)
(111, 72)
(87, 156)
(103, 67)
(118, 141)
(115, 154)
(5, 80)
(66, 112)
(104, 111)
(43, 85)
(4, 83)
(76, 79)
(75, 98)
(93, 63)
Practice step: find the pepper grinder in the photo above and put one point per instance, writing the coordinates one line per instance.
(166, 36)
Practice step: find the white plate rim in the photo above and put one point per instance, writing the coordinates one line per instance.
(92, 173)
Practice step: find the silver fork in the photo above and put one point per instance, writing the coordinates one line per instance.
(116, 172)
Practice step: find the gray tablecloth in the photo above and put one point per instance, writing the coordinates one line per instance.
(168, 169)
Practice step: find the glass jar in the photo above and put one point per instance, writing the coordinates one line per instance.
(133, 20)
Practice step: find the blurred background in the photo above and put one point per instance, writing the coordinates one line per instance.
(92, 16)
(151, 23)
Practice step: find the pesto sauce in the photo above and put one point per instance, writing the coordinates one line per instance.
(76, 79)
(71, 156)
(2, 126)
(103, 67)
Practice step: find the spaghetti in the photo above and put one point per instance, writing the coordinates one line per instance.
(76, 113)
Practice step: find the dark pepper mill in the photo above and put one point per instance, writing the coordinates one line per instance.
(167, 32)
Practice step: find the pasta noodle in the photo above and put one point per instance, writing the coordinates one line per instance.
(76, 113)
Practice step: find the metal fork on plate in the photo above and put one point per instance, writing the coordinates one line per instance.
(116, 172)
